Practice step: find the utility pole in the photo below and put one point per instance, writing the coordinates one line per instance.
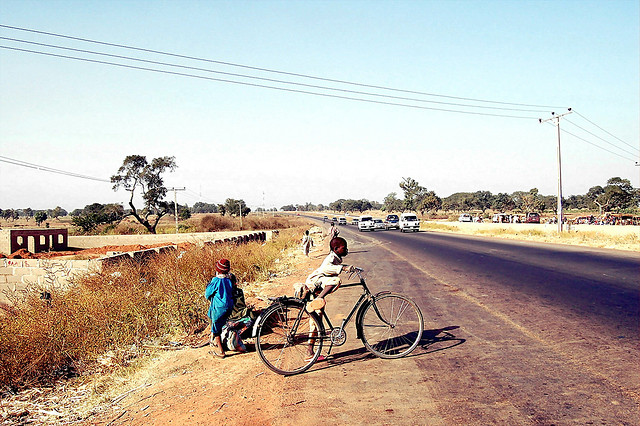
(175, 203)
(240, 212)
(557, 119)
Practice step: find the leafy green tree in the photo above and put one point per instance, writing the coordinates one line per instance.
(287, 208)
(531, 201)
(502, 202)
(136, 174)
(97, 214)
(235, 207)
(201, 207)
(428, 201)
(412, 191)
(58, 212)
(482, 200)
(40, 217)
(391, 203)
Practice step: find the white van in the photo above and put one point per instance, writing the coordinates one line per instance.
(409, 222)
(365, 223)
(342, 220)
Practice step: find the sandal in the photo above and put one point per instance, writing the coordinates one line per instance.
(320, 358)
(216, 353)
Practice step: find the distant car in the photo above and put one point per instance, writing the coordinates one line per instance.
(342, 221)
(334, 219)
(378, 224)
(465, 218)
(324, 219)
(355, 221)
(409, 222)
(392, 221)
(532, 218)
(365, 223)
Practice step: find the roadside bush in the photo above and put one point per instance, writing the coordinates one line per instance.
(44, 339)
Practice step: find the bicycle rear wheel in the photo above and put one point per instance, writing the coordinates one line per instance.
(282, 338)
(392, 326)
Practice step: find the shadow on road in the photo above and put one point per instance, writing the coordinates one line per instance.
(434, 340)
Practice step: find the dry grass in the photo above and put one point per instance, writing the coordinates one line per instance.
(583, 238)
(117, 310)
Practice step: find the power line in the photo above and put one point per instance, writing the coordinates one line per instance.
(268, 87)
(603, 140)
(271, 70)
(610, 134)
(93, 52)
(591, 143)
(49, 169)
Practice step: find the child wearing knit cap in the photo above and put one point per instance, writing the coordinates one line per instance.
(219, 292)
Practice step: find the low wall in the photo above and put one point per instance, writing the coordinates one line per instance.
(18, 274)
(198, 238)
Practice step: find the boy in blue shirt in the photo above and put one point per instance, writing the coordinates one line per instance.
(220, 294)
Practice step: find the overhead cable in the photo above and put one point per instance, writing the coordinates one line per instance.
(268, 87)
(610, 134)
(271, 70)
(603, 140)
(92, 52)
(49, 169)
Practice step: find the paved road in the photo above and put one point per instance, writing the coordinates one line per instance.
(516, 333)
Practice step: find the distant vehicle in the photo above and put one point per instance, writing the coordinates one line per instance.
(378, 224)
(365, 223)
(324, 219)
(465, 217)
(355, 221)
(342, 221)
(532, 218)
(334, 219)
(392, 221)
(409, 222)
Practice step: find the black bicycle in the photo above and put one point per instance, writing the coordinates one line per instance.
(390, 325)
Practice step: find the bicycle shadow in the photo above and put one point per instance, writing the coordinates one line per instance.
(434, 340)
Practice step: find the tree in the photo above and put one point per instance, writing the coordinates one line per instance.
(428, 201)
(287, 208)
(58, 212)
(236, 207)
(619, 193)
(502, 202)
(482, 200)
(412, 190)
(40, 217)
(531, 201)
(97, 214)
(201, 207)
(137, 174)
(391, 203)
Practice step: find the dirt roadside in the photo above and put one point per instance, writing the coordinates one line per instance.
(191, 386)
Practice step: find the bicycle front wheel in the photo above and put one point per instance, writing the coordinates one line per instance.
(284, 336)
(392, 326)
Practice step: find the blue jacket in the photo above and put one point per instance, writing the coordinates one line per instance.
(220, 293)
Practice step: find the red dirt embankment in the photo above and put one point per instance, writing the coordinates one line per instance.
(91, 253)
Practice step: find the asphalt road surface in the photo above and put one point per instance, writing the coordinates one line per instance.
(515, 333)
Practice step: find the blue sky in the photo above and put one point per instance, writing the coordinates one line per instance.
(275, 147)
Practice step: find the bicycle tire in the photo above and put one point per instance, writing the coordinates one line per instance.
(400, 332)
(282, 352)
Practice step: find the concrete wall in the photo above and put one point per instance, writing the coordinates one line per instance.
(18, 274)
(147, 239)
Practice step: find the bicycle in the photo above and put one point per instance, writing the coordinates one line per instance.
(390, 325)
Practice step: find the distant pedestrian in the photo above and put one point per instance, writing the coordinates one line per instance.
(307, 243)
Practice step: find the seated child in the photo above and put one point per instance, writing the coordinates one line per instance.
(220, 293)
(325, 279)
(240, 319)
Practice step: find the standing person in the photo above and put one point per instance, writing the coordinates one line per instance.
(307, 243)
(333, 231)
(220, 294)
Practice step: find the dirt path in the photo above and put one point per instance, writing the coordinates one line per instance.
(191, 386)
